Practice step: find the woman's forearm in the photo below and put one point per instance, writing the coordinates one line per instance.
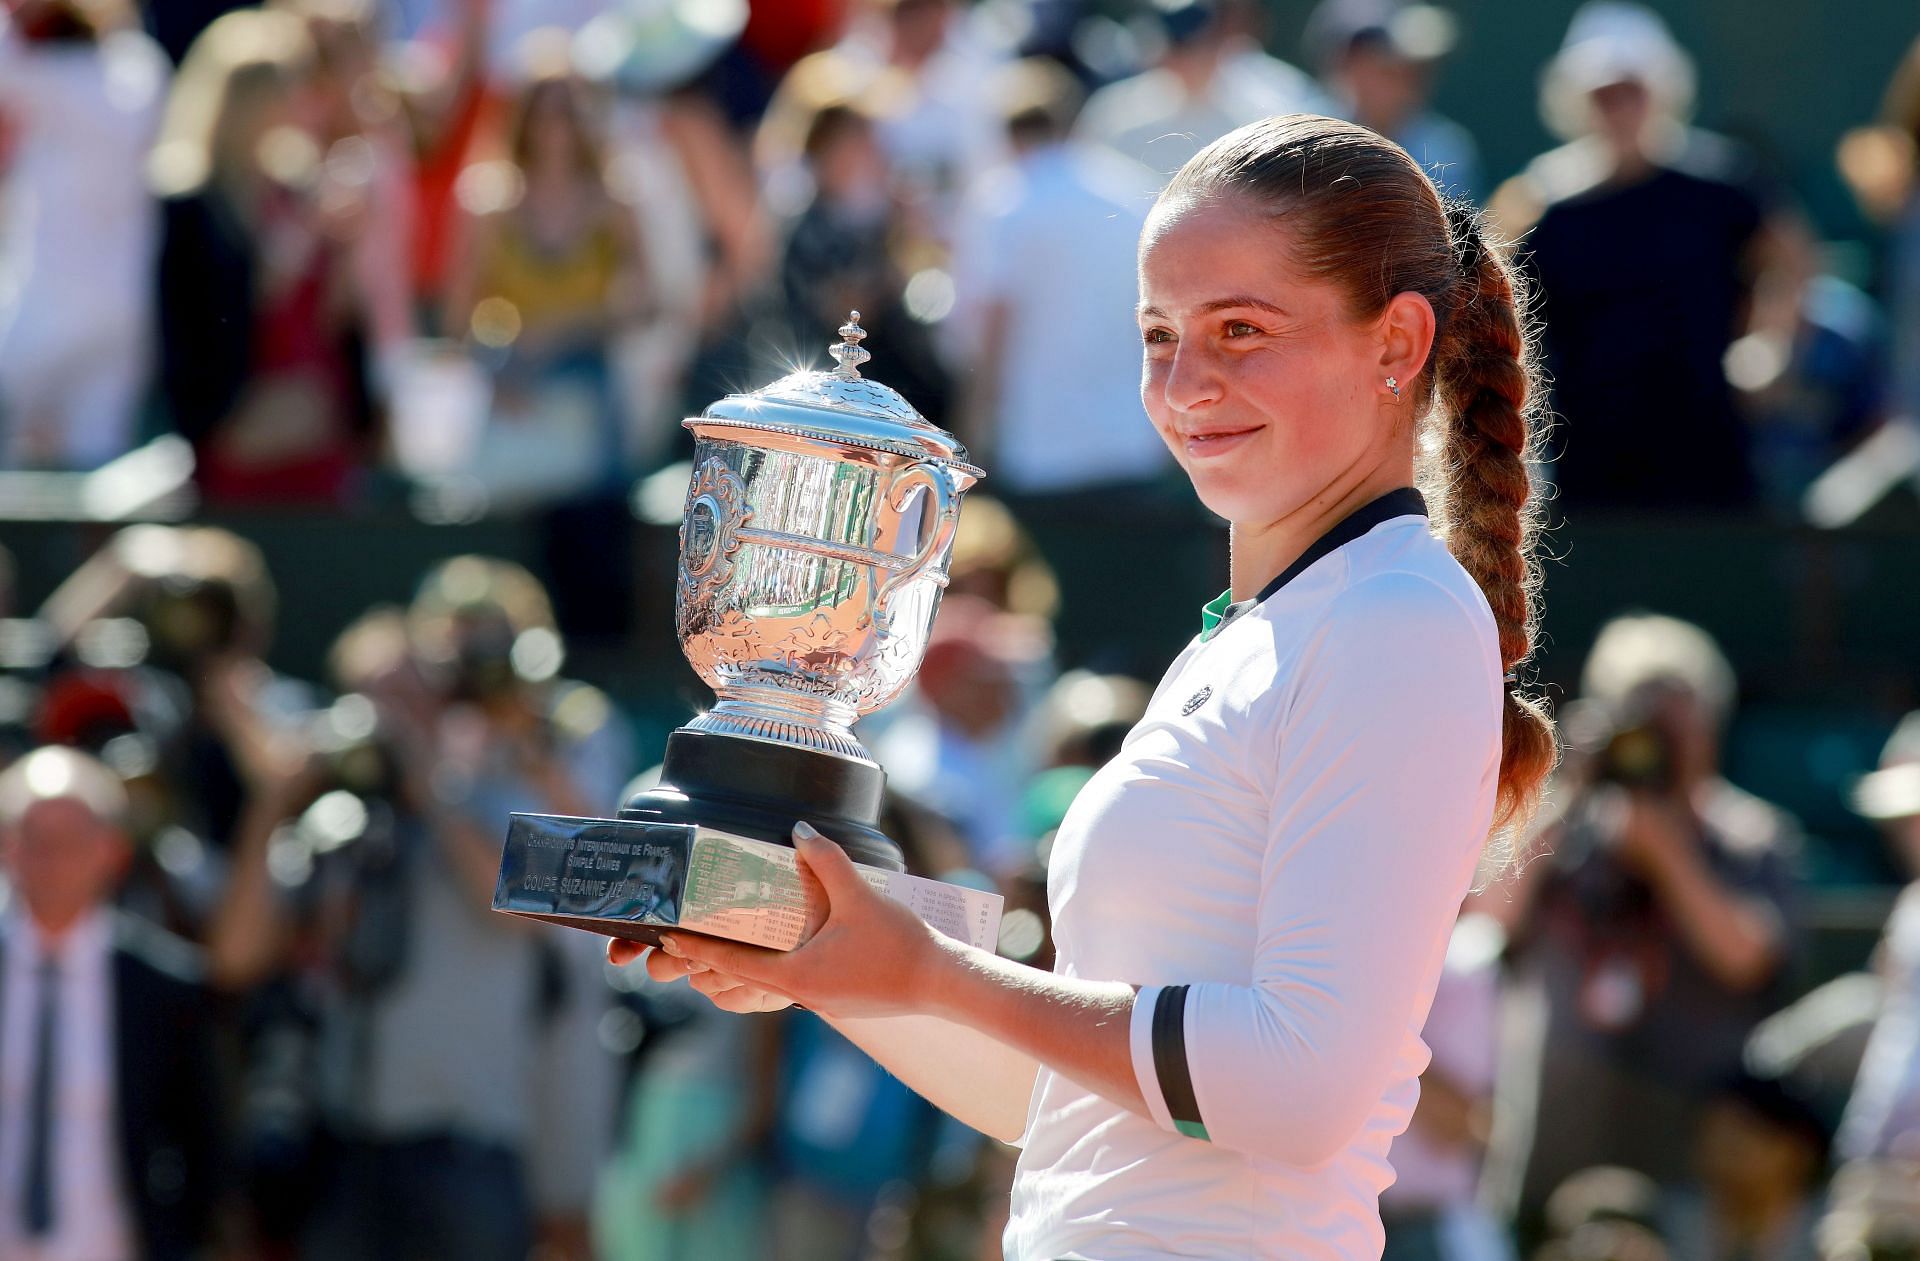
(1080, 1029)
(978, 1080)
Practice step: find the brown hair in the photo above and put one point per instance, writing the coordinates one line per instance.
(246, 59)
(1362, 214)
(562, 85)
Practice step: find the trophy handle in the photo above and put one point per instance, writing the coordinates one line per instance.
(946, 518)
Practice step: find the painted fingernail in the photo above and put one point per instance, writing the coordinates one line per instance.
(672, 947)
(804, 831)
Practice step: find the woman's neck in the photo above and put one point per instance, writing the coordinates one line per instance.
(1261, 553)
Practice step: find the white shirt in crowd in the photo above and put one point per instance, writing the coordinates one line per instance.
(1882, 1120)
(77, 243)
(942, 133)
(1277, 856)
(1150, 118)
(92, 1219)
(1054, 237)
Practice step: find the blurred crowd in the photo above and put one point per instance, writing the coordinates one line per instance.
(493, 249)
(354, 253)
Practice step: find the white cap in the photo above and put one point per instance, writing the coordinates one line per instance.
(1893, 791)
(1614, 41)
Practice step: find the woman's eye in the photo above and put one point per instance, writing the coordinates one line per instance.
(1240, 328)
(1156, 337)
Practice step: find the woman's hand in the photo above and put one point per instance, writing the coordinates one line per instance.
(865, 954)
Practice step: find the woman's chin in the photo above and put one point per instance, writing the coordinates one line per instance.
(1228, 499)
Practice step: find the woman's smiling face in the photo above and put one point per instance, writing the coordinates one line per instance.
(1256, 376)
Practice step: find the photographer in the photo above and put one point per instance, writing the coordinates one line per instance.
(459, 1097)
(1883, 1113)
(1654, 933)
(157, 664)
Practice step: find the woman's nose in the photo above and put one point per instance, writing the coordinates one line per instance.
(1191, 381)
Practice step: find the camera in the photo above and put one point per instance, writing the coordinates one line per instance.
(1628, 748)
(1637, 756)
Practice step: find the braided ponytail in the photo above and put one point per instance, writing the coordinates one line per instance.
(1484, 381)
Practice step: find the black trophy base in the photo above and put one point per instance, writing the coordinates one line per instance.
(633, 876)
(759, 789)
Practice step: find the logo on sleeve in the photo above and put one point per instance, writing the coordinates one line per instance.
(1195, 701)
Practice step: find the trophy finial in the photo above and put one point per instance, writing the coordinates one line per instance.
(848, 352)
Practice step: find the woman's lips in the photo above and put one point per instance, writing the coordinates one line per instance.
(1201, 446)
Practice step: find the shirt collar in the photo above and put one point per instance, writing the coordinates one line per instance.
(88, 940)
(1214, 612)
(1404, 502)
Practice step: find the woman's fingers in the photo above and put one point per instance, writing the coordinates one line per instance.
(660, 966)
(730, 993)
(726, 991)
(665, 967)
(827, 863)
(713, 984)
(748, 999)
(756, 963)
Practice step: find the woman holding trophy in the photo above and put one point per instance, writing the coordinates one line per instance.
(1252, 901)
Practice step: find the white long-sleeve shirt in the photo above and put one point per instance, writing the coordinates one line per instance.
(1276, 856)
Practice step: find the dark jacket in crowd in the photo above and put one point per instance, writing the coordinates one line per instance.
(167, 1090)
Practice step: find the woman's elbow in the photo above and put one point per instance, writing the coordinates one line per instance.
(1302, 1116)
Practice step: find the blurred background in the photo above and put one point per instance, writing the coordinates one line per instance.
(343, 349)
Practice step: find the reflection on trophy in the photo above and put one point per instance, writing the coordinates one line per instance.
(813, 554)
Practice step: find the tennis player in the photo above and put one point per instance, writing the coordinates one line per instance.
(1252, 902)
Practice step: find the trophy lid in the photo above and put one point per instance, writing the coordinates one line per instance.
(839, 406)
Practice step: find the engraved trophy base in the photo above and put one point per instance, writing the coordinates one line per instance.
(633, 876)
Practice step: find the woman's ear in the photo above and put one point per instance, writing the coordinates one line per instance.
(1406, 337)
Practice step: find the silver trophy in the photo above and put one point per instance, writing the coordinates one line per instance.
(813, 554)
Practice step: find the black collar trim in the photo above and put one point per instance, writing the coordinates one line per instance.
(1404, 502)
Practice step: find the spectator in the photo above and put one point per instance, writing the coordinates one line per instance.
(1604, 1214)
(260, 327)
(996, 560)
(1655, 936)
(685, 170)
(1378, 58)
(1882, 1120)
(1248, 72)
(1874, 1212)
(204, 605)
(1762, 1154)
(1205, 85)
(1603, 1194)
(962, 742)
(450, 116)
(368, 158)
(109, 1101)
(1811, 382)
(688, 1178)
(925, 62)
(1882, 165)
(1636, 337)
(840, 256)
(849, 1136)
(550, 274)
(1046, 265)
(81, 95)
(388, 919)
(1430, 1211)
